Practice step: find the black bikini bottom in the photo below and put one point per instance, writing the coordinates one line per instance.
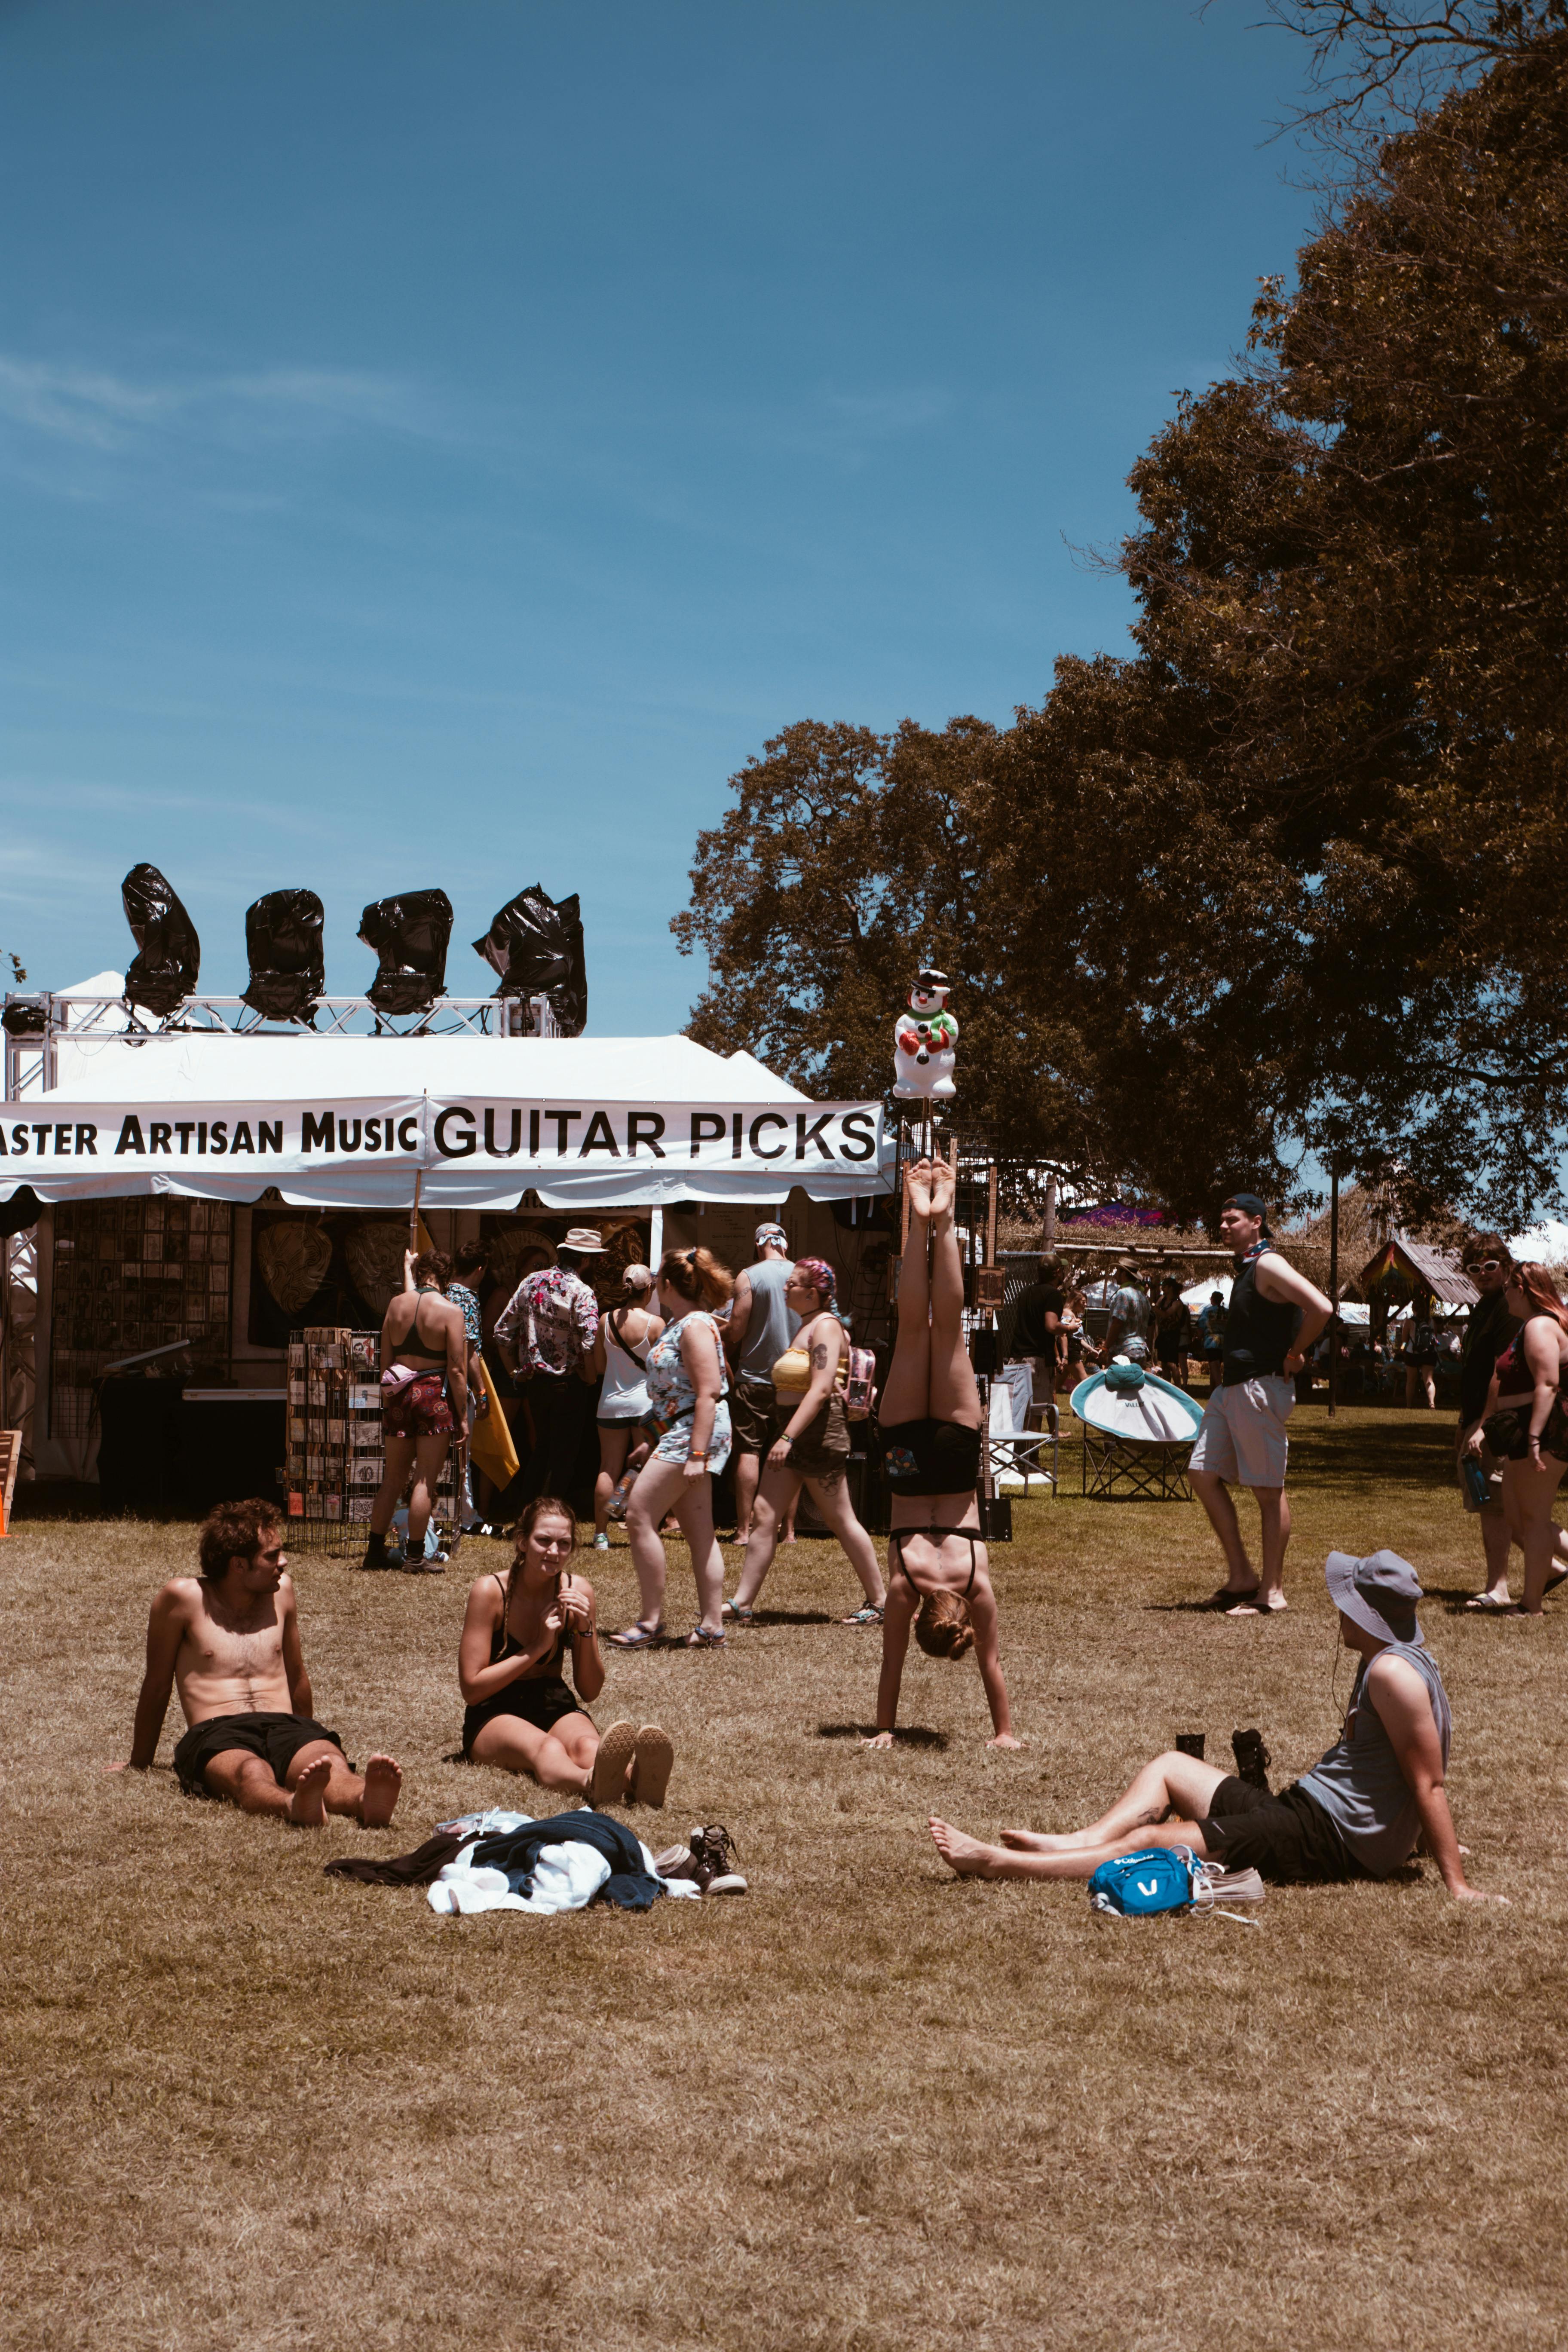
(931, 1457)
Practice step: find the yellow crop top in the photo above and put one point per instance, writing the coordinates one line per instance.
(792, 1373)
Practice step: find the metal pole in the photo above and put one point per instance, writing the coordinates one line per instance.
(1334, 1290)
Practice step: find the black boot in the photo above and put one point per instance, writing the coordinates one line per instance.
(376, 1551)
(1252, 1759)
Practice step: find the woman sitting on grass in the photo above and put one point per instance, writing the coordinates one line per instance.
(521, 1715)
(938, 1577)
(811, 1444)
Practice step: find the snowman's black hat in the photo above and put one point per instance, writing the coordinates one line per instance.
(928, 977)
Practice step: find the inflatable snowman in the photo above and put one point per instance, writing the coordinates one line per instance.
(923, 1042)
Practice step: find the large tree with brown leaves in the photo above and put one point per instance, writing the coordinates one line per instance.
(1297, 868)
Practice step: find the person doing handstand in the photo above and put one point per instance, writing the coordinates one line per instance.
(938, 1574)
(229, 1641)
(1358, 1813)
(521, 1715)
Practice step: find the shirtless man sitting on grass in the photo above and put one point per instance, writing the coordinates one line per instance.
(229, 1641)
(1360, 1813)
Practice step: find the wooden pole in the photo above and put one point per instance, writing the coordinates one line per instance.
(1334, 1291)
(1050, 1232)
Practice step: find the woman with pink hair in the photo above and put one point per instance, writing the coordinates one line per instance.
(810, 1447)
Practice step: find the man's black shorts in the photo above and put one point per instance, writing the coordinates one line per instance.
(751, 1414)
(275, 1738)
(1287, 1838)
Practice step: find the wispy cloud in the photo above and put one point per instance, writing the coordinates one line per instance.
(91, 408)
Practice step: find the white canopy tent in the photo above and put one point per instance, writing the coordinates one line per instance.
(349, 1121)
(101, 1109)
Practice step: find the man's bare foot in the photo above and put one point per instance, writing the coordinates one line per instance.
(966, 1855)
(918, 1185)
(882, 1739)
(383, 1780)
(307, 1807)
(1005, 1740)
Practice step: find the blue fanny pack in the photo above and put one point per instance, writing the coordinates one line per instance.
(1162, 1878)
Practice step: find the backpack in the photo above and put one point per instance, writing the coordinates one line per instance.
(1160, 1878)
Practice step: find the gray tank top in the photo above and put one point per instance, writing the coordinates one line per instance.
(772, 1326)
(1359, 1783)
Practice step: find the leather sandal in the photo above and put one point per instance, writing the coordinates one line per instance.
(636, 1637)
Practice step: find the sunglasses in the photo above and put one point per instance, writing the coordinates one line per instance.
(1485, 1264)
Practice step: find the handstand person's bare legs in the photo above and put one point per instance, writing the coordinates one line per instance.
(951, 1383)
(906, 1395)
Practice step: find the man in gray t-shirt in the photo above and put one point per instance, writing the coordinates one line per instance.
(760, 1328)
(1127, 1333)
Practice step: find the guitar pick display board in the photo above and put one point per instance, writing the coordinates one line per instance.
(333, 1466)
(131, 1275)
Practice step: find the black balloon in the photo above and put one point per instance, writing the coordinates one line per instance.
(410, 936)
(169, 957)
(283, 942)
(535, 942)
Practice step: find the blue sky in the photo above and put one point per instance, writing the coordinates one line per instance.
(441, 439)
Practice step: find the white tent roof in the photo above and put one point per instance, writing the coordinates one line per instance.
(449, 1104)
(211, 1065)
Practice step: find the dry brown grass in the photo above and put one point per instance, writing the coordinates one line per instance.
(865, 2107)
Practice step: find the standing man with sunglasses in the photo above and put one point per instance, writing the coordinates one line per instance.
(1488, 1263)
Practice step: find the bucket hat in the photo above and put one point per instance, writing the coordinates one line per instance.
(1378, 1593)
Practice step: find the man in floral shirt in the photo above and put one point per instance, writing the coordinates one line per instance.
(545, 1334)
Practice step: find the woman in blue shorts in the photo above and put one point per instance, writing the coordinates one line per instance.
(687, 1383)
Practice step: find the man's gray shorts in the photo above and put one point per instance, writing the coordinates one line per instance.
(1241, 1437)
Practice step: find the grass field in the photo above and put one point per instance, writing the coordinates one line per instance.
(863, 2106)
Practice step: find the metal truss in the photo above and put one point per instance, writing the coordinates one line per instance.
(31, 1062)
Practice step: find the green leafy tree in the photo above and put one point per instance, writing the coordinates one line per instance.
(1294, 870)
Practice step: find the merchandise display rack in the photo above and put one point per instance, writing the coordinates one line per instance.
(333, 1464)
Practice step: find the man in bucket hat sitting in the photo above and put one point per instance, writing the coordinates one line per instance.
(1358, 1813)
(545, 1333)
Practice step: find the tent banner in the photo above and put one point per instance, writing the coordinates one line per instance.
(784, 1142)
